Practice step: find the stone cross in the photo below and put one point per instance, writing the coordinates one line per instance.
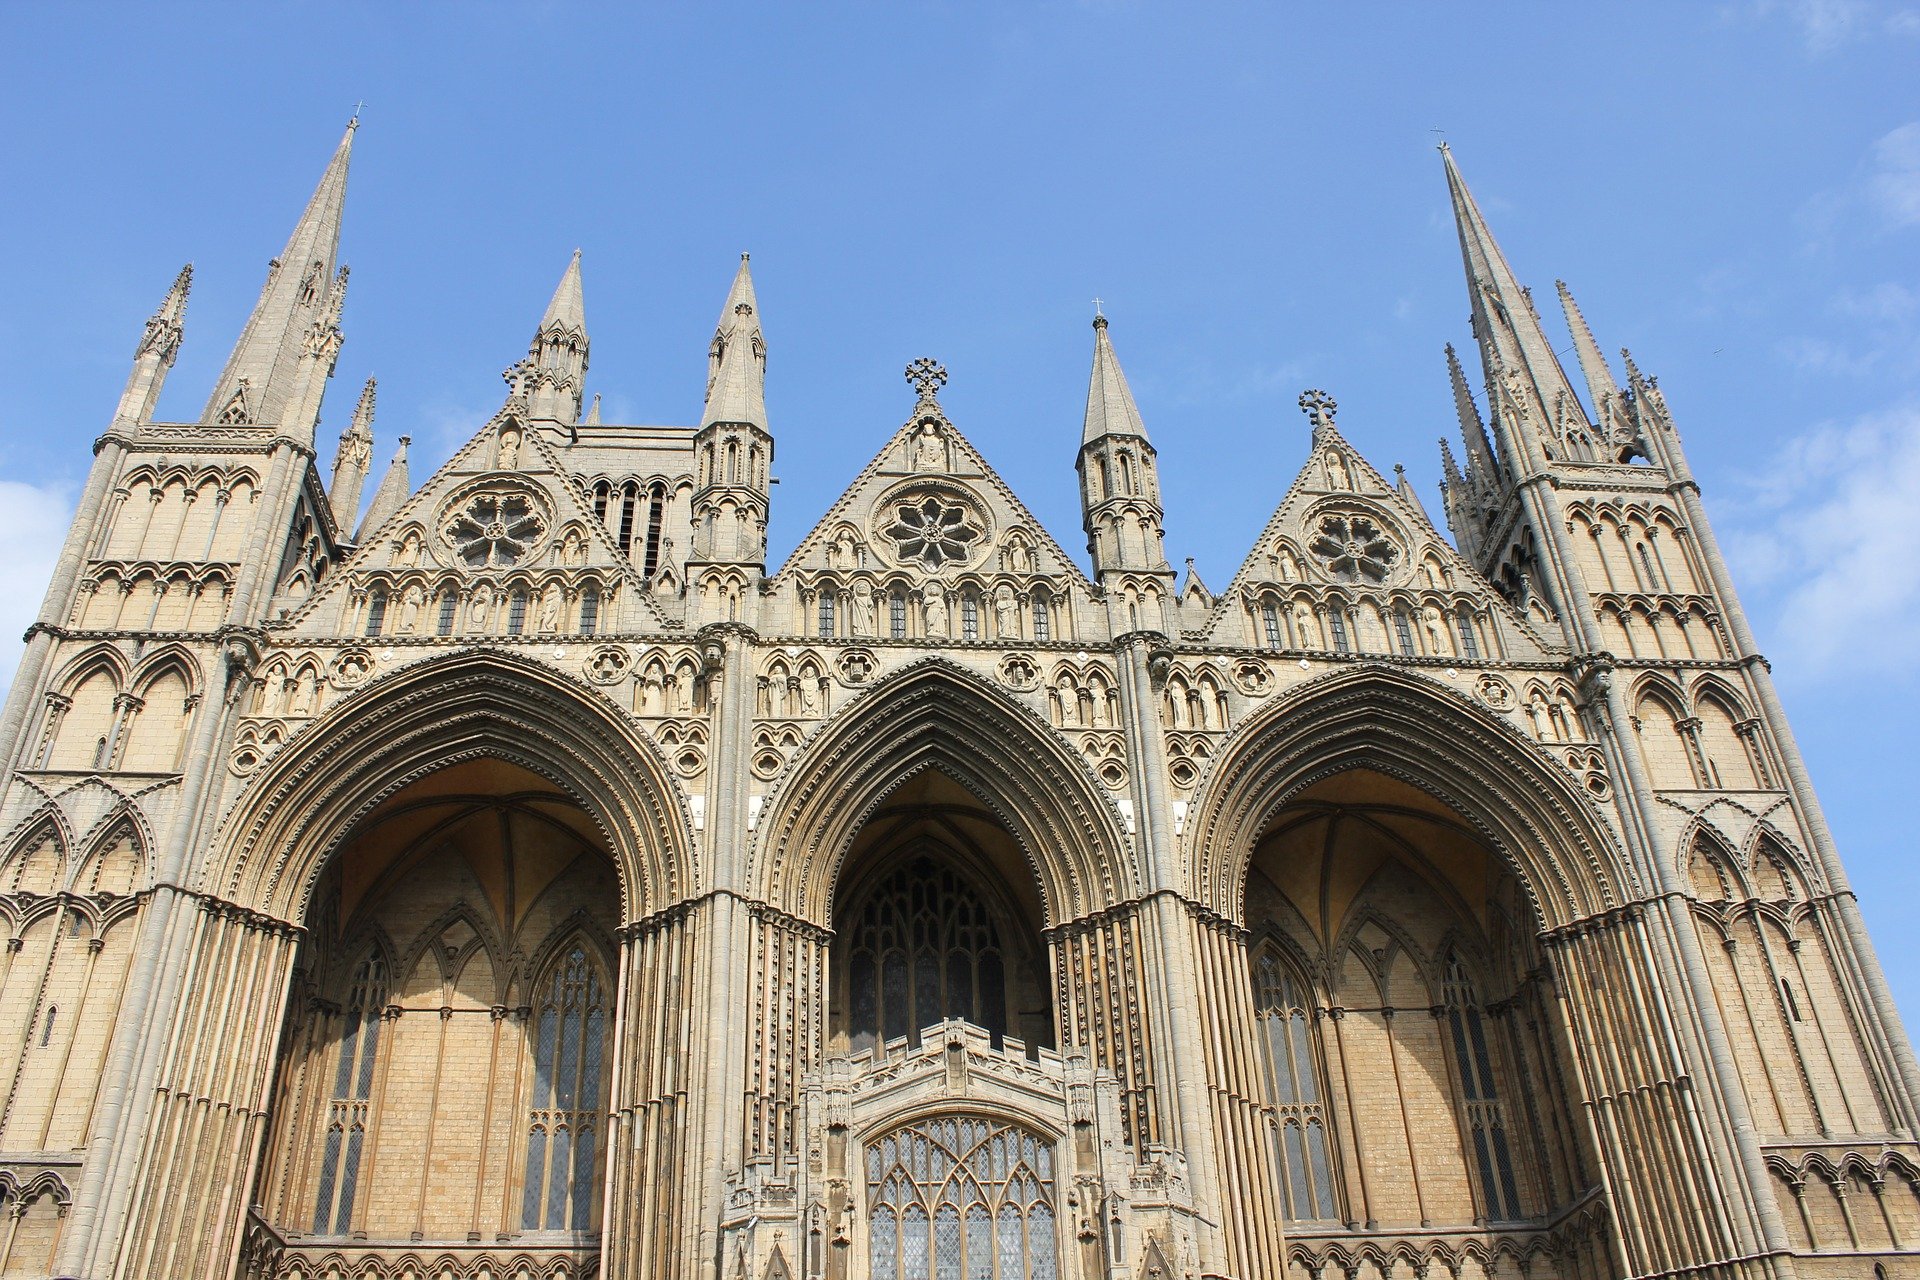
(1319, 408)
(927, 376)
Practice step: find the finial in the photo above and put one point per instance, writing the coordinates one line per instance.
(927, 376)
(358, 107)
(1099, 315)
(1399, 471)
(1319, 408)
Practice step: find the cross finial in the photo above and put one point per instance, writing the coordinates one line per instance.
(358, 107)
(1319, 408)
(927, 376)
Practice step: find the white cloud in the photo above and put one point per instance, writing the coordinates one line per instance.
(33, 524)
(1826, 25)
(1894, 184)
(1824, 540)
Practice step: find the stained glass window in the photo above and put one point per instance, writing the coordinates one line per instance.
(569, 1060)
(1286, 1012)
(962, 1198)
(1486, 1118)
(924, 949)
(348, 1111)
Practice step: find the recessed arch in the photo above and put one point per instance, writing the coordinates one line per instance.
(1404, 726)
(468, 706)
(937, 715)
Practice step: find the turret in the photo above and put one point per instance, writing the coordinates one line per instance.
(733, 449)
(159, 345)
(552, 378)
(258, 383)
(1119, 479)
(353, 461)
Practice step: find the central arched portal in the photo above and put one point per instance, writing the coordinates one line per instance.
(444, 1075)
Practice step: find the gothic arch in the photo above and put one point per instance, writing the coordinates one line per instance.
(938, 715)
(1403, 725)
(300, 808)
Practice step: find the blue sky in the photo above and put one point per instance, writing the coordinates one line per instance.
(1733, 191)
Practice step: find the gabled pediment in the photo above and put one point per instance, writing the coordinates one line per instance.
(929, 506)
(503, 518)
(1342, 538)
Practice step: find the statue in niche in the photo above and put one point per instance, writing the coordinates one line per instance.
(302, 696)
(573, 549)
(1337, 477)
(1289, 564)
(861, 601)
(809, 697)
(550, 610)
(1003, 612)
(509, 449)
(1304, 632)
(1017, 557)
(1436, 630)
(933, 598)
(478, 606)
(1537, 712)
(843, 552)
(411, 601)
(1567, 719)
(929, 450)
(408, 553)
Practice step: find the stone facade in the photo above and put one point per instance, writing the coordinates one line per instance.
(529, 883)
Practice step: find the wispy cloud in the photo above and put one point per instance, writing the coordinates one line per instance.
(33, 524)
(1827, 25)
(1820, 541)
(1893, 185)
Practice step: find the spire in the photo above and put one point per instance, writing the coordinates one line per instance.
(552, 376)
(393, 491)
(1481, 459)
(1609, 412)
(1514, 349)
(294, 296)
(737, 360)
(1408, 494)
(1110, 407)
(159, 344)
(353, 461)
(593, 412)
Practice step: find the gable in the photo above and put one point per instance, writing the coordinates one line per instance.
(1345, 548)
(502, 519)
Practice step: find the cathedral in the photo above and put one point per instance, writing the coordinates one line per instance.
(525, 880)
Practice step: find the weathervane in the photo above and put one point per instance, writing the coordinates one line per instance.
(927, 376)
(1319, 408)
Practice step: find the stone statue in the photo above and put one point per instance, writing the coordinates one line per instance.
(1289, 565)
(410, 602)
(573, 549)
(478, 606)
(934, 597)
(1304, 632)
(1337, 476)
(408, 554)
(302, 696)
(550, 610)
(1003, 612)
(1537, 712)
(860, 599)
(509, 449)
(929, 451)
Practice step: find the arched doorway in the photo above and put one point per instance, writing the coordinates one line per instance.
(936, 916)
(443, 1080)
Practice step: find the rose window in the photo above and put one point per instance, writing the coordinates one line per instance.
(495, 529)
(1353, 549)
(933, 531)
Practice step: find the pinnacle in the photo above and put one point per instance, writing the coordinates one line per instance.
(1110, 406)
(568, 309)
(737, 360)
(363, 411)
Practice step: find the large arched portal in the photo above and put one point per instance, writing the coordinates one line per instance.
(1406, 1026)
(936, 916)
(444, 1076)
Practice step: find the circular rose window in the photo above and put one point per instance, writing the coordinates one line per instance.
(494, 529)
(1353, 548)
(933, 531)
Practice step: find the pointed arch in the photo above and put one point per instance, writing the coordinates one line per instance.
(116, 857)
(1403, 725)
(481, 703)
(37, 861)
(936, 714)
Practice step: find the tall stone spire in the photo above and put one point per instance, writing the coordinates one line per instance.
(737, 359)
(159, 345)
(257, 383)
(1110, 406)
(1609, 401)
(1119, 478)
(354, 460)
(393, 491)
(1482, 461)
(1527, 390)
(553, 376)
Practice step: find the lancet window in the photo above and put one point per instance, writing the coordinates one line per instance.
(962, 1198)
(563, 1121)
(1293, 1057)
(449, 604)
(1042, 618)
(376, 612)
(1403, 632)
(897, 616)
(1469, 643)
(924, 949)
(348, 1111)
(589, 610)
(1485, 1118)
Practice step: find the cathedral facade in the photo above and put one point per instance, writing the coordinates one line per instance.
(526, 880)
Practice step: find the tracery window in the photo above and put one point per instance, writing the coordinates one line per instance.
(1292, 1055)
(962, 1198)
(494, 529)
(1485, 1116)
(932, 531)
(924, 949)
(563, 1121)
(348, 1111)
(1353, 548)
